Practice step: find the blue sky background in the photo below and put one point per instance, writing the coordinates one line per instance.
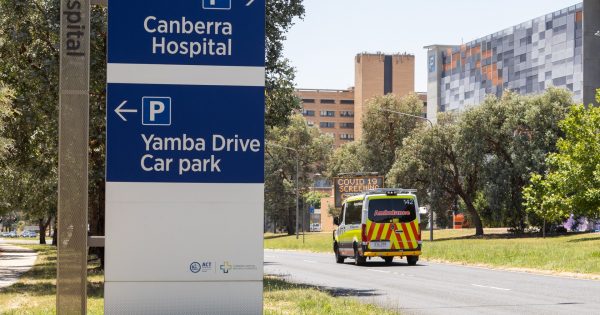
(323, 45)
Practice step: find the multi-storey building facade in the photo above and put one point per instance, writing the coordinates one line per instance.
(380, 74)
(330, 110)
(340, 112)
(558, 49)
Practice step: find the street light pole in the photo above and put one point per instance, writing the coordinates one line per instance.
(297, 187)
(431, 184)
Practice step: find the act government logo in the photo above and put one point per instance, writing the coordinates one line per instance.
(203, 267)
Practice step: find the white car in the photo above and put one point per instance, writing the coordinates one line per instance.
(315, 227)
(29, 234)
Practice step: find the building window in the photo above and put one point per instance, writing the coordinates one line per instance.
(327, 113)
(347, 113)
(310, 123)
(327, 101)
(326, 124)
(309, 113)
(347, 125)
(347, 102)
(308, 100)
(345, 136)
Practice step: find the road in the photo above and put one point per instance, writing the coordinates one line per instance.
(433, 288)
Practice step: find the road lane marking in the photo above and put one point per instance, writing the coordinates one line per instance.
(382, 271)
(489, 287)
(310, 261)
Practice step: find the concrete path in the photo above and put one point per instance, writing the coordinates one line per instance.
(14, 261)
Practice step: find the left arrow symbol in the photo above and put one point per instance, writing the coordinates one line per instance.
(120, 110)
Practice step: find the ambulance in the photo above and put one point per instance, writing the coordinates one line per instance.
(378, 223)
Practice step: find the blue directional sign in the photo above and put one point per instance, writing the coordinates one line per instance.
(186, 91)
(185, 139)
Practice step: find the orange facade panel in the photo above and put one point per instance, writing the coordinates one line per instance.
(579, 16)
(486, 54)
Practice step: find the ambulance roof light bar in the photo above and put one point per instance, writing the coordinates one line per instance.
(390, 191)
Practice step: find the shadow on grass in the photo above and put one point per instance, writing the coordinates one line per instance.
(269, 237)
(585, 239)
(274, 284)
(36, 289)
(41, 272)
(512, 236)
(42, 288)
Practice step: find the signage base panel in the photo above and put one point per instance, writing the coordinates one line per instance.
(149, 298)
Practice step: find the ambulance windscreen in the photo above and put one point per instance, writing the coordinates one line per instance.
(386, 210)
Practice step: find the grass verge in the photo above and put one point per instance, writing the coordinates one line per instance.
(35, 293)
(573, 253)
(281, 297)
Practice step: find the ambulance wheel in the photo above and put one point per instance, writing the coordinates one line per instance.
(412, 260)
(358, 259)
(338, 258)
(388, 260)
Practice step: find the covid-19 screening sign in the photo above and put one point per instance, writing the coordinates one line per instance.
(344, 187)
(185, 156)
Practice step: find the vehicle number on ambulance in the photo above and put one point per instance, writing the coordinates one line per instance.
(379, 245)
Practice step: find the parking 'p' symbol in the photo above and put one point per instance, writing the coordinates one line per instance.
(156, 111)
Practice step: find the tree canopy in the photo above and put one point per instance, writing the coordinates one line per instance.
(285, 146)
(383, 132)
(483, 156)
(572, 183)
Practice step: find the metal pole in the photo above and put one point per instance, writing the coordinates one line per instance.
(297, 186)
(431, 185)
(71, 280)
(297, 194)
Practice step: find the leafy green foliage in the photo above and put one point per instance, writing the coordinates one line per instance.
(7, 112)
(515, 133)
(383, 131)
(29, 65)
(444, 161)
(280, 96)
(572, 184)
(348, 158)
(483, 156)
(313, 198)
(310, 149)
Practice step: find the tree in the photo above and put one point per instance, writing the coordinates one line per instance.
(313, 198)
(313, 149)
(572, 183)
(383, 132)
(348, 158)
(29, 64)
(445, 159)
(515, 132)
(6, 114)
(280, 97)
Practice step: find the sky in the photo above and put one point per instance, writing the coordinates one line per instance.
(322, 46)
